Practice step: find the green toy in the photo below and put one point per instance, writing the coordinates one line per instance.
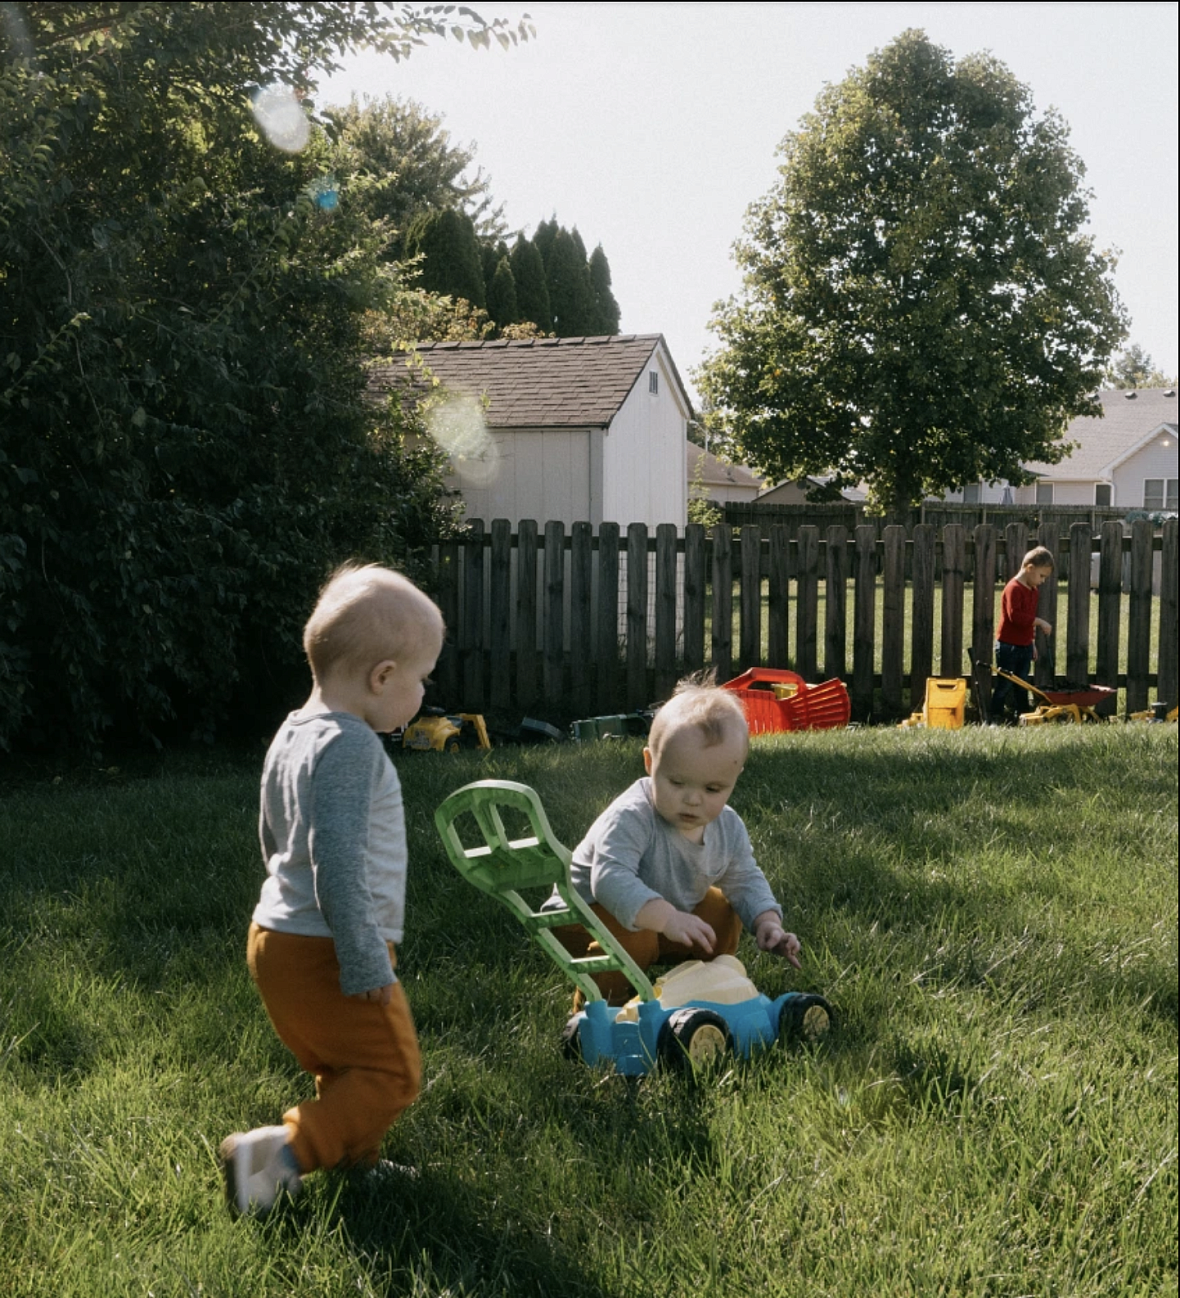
(697, 1011)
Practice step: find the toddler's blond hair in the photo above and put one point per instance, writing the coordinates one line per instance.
(364, 614)
(715, 712)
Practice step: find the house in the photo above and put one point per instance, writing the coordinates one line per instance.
(791, 492)
(712, 479)
(1126, 459)
(567, 429)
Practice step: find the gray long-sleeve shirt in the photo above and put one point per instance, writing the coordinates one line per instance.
(632, 855)
(334, 843)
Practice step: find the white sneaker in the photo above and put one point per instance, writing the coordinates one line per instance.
(258, 1166)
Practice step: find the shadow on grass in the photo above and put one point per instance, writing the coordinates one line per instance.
(437, 1234)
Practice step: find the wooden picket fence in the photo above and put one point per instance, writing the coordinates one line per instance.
(571, 623)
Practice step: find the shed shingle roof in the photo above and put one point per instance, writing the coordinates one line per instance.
(1127, 419)
(541, 382)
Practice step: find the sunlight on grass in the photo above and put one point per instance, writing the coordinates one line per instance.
(993, 913)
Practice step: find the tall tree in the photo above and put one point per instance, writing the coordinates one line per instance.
(532, 293)
(414, 166)
(570, 294)
(606, 309)
(1134, 368)
(502, 303)
(185, 441)
(543, 237)
(922, 307)
(451, 259)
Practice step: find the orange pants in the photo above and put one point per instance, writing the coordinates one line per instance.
(364, 1056)
(645, 947)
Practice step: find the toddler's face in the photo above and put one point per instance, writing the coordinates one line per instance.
(400, 697)
(691, 783)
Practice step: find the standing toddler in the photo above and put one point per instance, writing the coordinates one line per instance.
(321, 945)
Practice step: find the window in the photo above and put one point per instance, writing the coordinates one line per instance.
(653, 382)
(1160, 493)
(1102, 492)
(972, 493)
(1044, 493)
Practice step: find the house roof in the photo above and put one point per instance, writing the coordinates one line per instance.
(1128, 420)
(848, 495)
(716, 473)
(543, 382)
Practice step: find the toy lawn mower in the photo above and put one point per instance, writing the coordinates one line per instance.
(696, 1014)
(1072, 704)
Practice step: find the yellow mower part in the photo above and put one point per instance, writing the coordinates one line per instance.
(1058, 712)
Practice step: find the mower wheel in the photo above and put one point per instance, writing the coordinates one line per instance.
(452, 746)
(694, 1038)
(804, 1019)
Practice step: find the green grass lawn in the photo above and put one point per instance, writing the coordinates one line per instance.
(992, 912)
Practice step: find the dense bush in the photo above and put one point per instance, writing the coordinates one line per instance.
(186, 444)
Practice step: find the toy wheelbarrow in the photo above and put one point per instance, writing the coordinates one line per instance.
(697, 1013)
(1071, 705)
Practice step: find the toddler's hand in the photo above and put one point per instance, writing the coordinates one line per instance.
(382, 995)
(770, 937)
(691, 930)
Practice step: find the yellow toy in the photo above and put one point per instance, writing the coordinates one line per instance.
(446, 732)
(1069, 705)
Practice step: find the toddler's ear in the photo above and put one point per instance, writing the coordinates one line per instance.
(647, 760)
(379, 676)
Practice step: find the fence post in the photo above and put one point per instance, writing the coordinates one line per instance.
(500, 614)
(1045, 670)
(778, 596)
(893, 619)
(1110, 599)
(607, 646)
(836, 581)
(526, 612)
(864, 621)
(637, 694)
(954, 563)
(553, 617)
(1015, 548)
(447, 671)
(922, 630)
(471, 645)
(694, 596)
(750, 597)
(983, 611)
(1077, 639)
(1139, 619)
(807, 602)
(665, 680)
(722, 647)
(581, 643)
(1167, 686)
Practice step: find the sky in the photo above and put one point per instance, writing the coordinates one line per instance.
(653, 127)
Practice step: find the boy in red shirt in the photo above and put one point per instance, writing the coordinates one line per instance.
(1016, 649)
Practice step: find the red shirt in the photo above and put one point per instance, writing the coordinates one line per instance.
(1018, 613)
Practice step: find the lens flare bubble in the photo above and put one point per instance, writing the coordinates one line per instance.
(459, 427)
(281, 118)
